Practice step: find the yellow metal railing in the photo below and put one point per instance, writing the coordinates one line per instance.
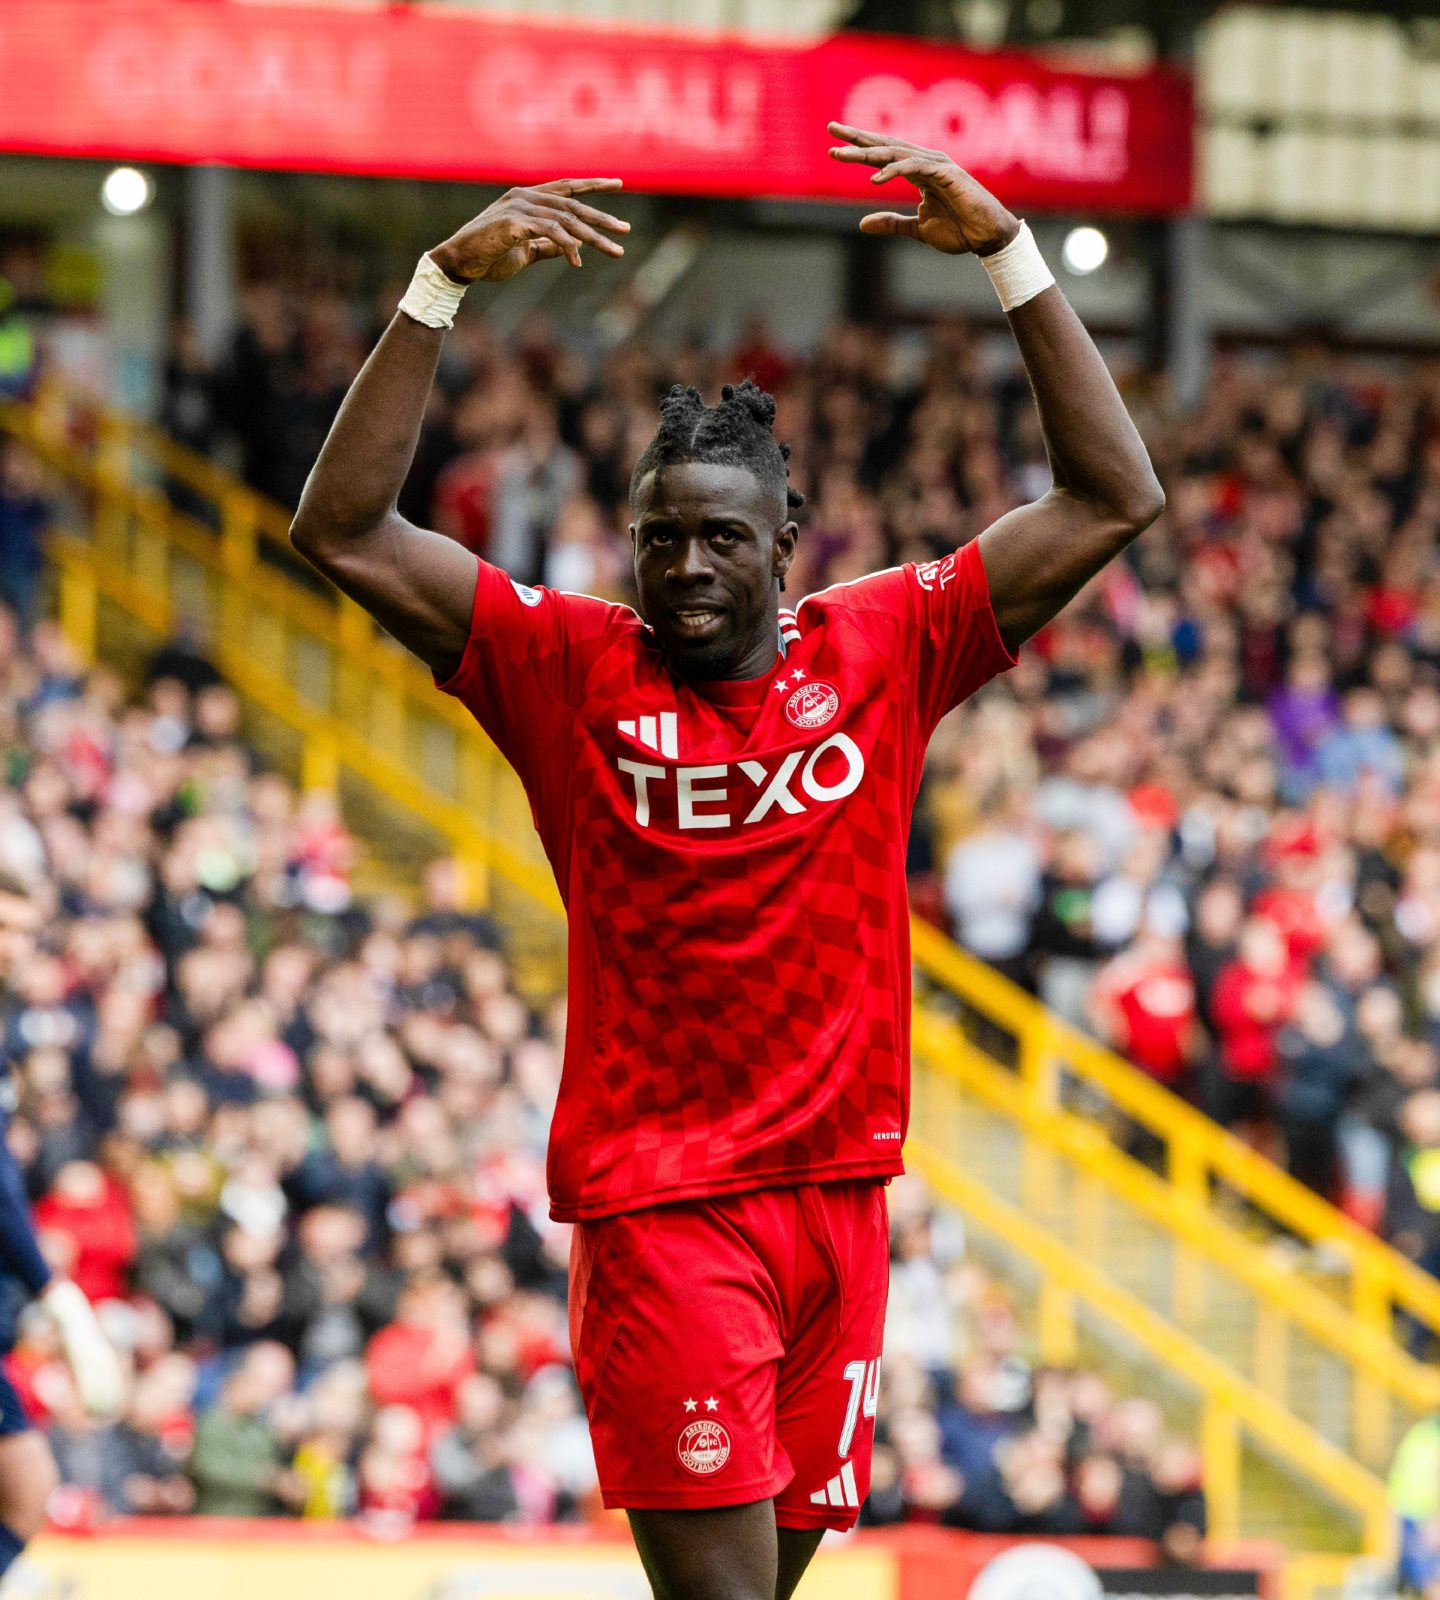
(1307, 1372)
(1272, 1357)
(1232, 1409)
(1334, 1577)
(299, 652)
(1371, 1286)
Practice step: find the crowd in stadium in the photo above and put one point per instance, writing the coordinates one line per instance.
(1202, 818)
(296, 1143)
(291, 1144)
(1199, 818)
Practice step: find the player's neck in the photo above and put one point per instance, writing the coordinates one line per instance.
(758, 661)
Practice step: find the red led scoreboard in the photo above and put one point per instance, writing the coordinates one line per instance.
(408, 91)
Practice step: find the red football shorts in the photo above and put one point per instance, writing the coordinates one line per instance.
(729, 1350)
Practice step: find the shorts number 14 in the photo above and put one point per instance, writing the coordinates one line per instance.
(864, 1380)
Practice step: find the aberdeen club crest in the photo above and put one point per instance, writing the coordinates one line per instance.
(703, 1447)
(812, 705)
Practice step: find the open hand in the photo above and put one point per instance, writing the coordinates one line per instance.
(956, 214)
(533, 224)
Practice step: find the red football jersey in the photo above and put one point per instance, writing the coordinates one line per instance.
(732, 860)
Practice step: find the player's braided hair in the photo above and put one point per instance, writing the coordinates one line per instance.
(735, 432)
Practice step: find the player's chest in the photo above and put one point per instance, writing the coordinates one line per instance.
(783, 756)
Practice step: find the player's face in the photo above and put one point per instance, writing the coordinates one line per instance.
(711, 546)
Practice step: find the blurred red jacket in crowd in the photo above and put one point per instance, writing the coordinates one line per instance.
(1253, 999)
(90, 1211)
(422, 1358)
(1149, 995)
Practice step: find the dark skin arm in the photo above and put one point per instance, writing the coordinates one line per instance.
(419, 586)
(1105, 492)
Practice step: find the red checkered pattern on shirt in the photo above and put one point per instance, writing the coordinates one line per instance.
(733, 864)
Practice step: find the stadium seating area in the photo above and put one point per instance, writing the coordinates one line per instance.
(1199, 819)
(284, 1020)
(300, 1139)
(293, 1146)
(1202, 818)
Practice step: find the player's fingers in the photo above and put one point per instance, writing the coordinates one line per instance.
(543, 226)
(578, 230)
(588, 235)
(577, 208)
(843, 130)
(894, 223)
(543, 250)
(912, 167)
(875, 155)
(580, 185)
(591, 214)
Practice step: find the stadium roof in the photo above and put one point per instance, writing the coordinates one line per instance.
(1170, 24)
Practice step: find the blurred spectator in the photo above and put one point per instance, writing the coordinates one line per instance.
(345, 1170)
(1320, 1061)
(25, 512)
(468, 1461)
(191, 410)
(1144, 1005)
(421, 1358)
(992, 889)
(1065, 938)
(154, 1440)
(1412, 1208)
(18, 348)
(238, 1463)
(393, 1476)
(1362, 746)
(1304, 712)
(1414, 1490)
(86, 1215)
(325, 1456)
(1253, 999)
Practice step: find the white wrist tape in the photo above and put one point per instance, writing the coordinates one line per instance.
(432, 298)
(1018, 271)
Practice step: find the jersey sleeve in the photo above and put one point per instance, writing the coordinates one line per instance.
(949, 639)
(526, 662)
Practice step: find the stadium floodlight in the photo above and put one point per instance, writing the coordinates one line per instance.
(1084, 251)
(126, 190)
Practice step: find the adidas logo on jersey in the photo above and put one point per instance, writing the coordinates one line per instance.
(660, 734)
(840, 1491)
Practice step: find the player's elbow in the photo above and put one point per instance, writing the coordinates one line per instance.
(305, 536)
(322, 533)
(317, 529)
(308, 529)
(1139, 504)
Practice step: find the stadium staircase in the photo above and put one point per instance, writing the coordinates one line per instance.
(1272, 1329)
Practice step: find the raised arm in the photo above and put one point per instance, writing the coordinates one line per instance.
(1104, 490)
(419, 585)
